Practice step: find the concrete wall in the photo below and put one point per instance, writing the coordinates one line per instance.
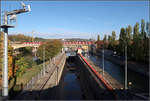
(55, 77)
(92, 86)
(54, 73)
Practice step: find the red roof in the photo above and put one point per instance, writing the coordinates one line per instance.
(80, 42)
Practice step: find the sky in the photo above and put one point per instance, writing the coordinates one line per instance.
(76, 19)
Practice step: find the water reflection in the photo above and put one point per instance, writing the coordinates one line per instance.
(71, 87)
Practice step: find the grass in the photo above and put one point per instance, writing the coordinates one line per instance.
(15, 88)
(27, 76)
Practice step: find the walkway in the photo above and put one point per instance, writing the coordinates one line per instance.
(114, 83)
(42, 84)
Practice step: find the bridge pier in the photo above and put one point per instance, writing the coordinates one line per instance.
(34, 50)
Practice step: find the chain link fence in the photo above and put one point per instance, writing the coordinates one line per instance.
(30, 84)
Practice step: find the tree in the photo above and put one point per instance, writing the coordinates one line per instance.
(113, 43)
(143, 33)
(129, 32)
(104, 40)
(98, 38)
(113, 36)
(52, 48)
(110, 42)
(137, 42)
(22, 65)
(147, 41)
(148, 29)
(122, 40)
(129, 40)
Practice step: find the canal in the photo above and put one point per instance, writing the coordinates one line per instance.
(139, 82)
(70, 88)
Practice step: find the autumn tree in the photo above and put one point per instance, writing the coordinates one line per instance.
(51, 48)
(10, 57)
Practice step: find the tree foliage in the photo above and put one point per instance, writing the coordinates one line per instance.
(104, 41)
(136, 39)
(51, 49)
(98, 38)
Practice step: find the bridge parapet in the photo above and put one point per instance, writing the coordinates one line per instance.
(26, 44)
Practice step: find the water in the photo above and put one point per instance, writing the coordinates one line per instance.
(117, 72)
(70, 86)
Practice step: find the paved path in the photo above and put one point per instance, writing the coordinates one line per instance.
(120, 94)
(114, 83)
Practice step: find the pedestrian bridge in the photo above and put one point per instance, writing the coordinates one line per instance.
(26, 44)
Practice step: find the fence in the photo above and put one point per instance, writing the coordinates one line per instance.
(29, 85)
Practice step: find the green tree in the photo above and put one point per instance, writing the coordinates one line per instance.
(129, 32)
(104, 41)
(113, 35)
(98, 38)
(22, 65)
(137, 42)
(110, 42)
(129, 40)
(52, 48)
(148, 29)
(113, 40)
(143, 33)
(122, 40)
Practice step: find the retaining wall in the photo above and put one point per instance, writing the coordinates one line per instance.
(56, 72)
(96, 87)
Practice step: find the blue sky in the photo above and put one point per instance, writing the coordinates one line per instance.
(80, 19)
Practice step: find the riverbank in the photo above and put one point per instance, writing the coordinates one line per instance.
(136, 67)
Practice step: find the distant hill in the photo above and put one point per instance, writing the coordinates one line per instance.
(23, 38)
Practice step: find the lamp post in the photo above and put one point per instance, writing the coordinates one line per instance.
(126, 79)
(5, 27)
(126, 67)
(103, 60)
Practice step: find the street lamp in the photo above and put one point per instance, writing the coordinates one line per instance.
(103, 59)
(5, 26)
(126, 66)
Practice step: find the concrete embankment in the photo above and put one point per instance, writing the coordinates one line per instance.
(132, 66)
(39, 85)
(96, 86)
(112, 81)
